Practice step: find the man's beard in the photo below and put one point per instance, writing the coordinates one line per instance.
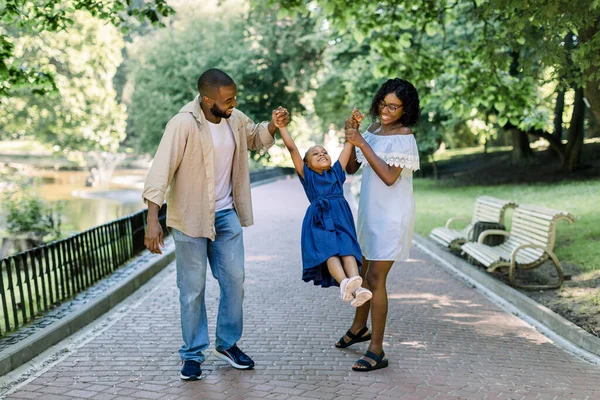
(217, 112)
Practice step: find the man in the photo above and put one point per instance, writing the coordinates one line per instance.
(203, 159)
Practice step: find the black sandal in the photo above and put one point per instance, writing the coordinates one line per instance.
(342, 344)
(365, 361)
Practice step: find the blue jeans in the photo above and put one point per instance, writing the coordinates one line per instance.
(226, 258)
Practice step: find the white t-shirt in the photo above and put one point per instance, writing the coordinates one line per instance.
(224, 147)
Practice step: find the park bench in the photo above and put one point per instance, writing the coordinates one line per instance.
(487, 208)
(529, 244)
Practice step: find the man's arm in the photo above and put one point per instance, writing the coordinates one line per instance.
(166, 161)
(262, 135)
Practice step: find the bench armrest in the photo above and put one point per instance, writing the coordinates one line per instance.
(489, 232)
(453, 219)
(513, 255)
(557, 265)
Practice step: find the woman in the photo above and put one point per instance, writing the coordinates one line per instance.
(386, 212)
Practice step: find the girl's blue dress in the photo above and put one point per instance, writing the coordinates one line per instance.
(328, 228)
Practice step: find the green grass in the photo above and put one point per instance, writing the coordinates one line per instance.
(576, 243)
(467, 151)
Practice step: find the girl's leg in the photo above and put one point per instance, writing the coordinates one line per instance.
(376, 279)
(334, 265)
(350, 266)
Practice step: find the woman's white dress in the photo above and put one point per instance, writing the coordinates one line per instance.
(386, 214)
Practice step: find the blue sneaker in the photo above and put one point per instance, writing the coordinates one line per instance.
(234, 356)
(190, 371)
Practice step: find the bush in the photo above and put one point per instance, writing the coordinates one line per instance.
(27, 214)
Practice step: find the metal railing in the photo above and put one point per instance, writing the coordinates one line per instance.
(39, 279)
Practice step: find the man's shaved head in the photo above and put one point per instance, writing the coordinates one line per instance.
(211, 80)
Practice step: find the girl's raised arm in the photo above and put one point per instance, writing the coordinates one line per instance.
(346, 153)
(291, 146)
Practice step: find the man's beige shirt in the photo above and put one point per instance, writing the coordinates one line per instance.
(184, 164)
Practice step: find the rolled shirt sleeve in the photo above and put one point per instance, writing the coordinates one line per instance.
(257, 135)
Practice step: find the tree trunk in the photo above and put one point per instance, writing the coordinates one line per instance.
(520, 144)
(575, 133)
(592, 94)
(558, 113)
(593, 126)
(558, 120)
(520, 140)
(592, 85)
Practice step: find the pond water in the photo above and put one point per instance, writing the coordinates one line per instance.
(84, 207)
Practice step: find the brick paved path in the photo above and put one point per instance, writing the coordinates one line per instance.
(444, 340)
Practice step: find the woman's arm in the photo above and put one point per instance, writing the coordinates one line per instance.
(387, 173)
(291, 146)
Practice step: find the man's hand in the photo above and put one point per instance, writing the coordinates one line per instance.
(153, 239)
(280, 117)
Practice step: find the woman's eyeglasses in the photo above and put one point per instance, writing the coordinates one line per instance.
(391, 107)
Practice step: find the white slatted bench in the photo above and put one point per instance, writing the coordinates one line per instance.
(486, 209)
(530, 243)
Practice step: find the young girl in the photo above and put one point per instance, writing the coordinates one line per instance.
(330, 251)
(386, 211)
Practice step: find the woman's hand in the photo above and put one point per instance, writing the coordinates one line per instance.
(358, 117)
(351, 123)
(355, 138)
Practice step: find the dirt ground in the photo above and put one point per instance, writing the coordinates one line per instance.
(578, 300)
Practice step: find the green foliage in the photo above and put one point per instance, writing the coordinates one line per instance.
(25, 212)
(475, 63)
(348, 80)
(82, 114)
(271, 60)
(37, 17)
(28, 214)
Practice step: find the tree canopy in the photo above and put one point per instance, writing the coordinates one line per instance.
(487, 64)
(271, 60)
(19, 17)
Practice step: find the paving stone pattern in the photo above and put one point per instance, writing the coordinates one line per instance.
(444, 339)
(94, 292)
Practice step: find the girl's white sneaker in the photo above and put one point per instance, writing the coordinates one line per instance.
(361, 296)
(348, 286)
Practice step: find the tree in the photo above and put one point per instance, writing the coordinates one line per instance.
(28, 17)
(82, 114)
(477, 42)
(272, 62)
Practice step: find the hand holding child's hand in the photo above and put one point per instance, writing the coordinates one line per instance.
(280, 117)
(357, 116)
(354, 137)
(351, 123)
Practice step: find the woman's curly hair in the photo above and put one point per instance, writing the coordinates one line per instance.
(407, 93)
